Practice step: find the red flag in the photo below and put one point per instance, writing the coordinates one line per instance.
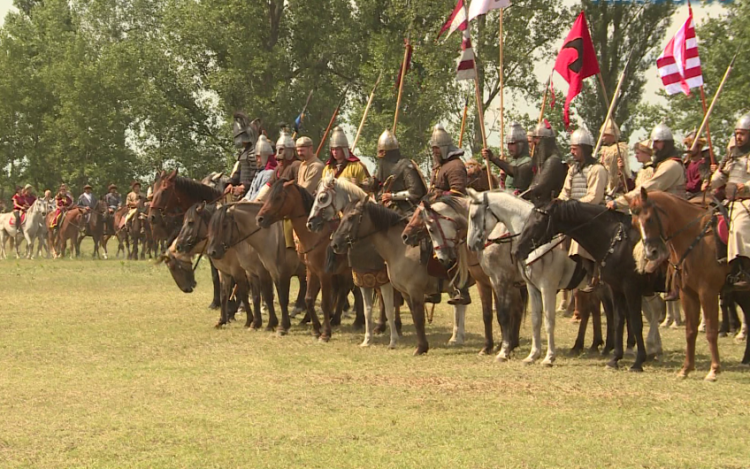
(679, 64)
(408, 64)
(576, 61)
(466, 69)
(456, 21)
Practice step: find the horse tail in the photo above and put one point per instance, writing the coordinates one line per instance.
(331, 260)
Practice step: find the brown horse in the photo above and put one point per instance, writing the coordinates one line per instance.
(94, 227)
(287, 200)
(674, 228)
(112, 228)
(68, 230)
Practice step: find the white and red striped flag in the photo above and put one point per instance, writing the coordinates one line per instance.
(466, 69)
(481, 7)
(456, 21)
(679, 64)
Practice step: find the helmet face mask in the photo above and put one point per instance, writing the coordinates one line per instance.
(285, 148)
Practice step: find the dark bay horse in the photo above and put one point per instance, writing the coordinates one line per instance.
(674, 228)
(173, 196)
(94, 227)
(610, 238)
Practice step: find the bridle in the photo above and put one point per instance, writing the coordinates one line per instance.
(235, 227)
(434, 217)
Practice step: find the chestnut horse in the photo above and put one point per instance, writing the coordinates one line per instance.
(94, 227)
(674, 228)
(288, 200)
(68, 229)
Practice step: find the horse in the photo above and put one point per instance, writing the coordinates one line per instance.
(32, 227)
(112, 223)
(510, 301)
(233, 226)
(69, 229)
(193, 240)
(383, 227)
(331, 197)
(674, 229)
(136, 232)
(173, 196)
(94, 227)
(609, 237)
(288, 200)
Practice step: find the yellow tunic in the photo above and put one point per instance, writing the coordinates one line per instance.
(354, 170)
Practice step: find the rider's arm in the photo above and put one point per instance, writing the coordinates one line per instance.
(666, 176)
(567, 187)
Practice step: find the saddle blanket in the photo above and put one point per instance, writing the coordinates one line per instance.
(13, 219)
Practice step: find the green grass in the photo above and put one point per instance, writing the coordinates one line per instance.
(108, 364)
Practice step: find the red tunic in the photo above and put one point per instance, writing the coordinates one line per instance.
(19, 202)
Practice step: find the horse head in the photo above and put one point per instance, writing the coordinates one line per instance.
(222, 229)
(652, 227)
(480, 217)
(538, 230)
(285, 200)
(446, 228)
(194, 229)
(326, 205)
(415, 230)
(165, 195)
(181, 269)
(346, 233)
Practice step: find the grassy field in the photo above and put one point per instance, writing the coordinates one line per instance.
(108, 364)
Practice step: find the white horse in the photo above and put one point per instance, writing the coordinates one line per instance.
(35, 228)
(30, 227)
(332, 196)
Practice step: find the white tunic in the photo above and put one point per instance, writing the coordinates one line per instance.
(736, 171)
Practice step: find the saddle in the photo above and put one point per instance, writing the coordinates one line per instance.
(13, 219)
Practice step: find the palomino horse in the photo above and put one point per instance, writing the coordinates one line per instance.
(173, 196)
(676, 229)
(94, 227)
(193, 239)
(288, 200)
(233, 227)
(609, 237)
(32, 228)
(510, 301)
(383, 227)
(331, 197)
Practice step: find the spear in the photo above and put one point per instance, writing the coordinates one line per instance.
(713, 102)
(302, 114)
(463, 123)
(404, 64)
(367, 109)
(330, 124)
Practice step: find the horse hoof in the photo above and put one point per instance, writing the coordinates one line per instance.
(682, 374)
(547, 363)
(528, 361)
(575, 351)
(454, 342)
(365, 343)
(214, 306)
(501, 358)
(392, 345)
(219, 325)
(379, 329)
(636, 369)
(613, 364)
(723, 334)
(485, 351)
(357, 326)
(629, 352)
(324, 338)
(710, 377)
(421, 350)
(281, 332)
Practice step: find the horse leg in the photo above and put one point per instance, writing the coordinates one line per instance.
(299, 304)
(485, 295)
(503, 308)
(282, 290)
(387, 293)
(582, 305)
(380, 326)
(620, 313)
(367, 297)
(710, 305)
(226, 291)
(633, 298)
(595, 306)
(692, 309)
(313, 288)
(743, 300)
(337, 301)
(245, 290)
(536, 324)
(549, 293)
(416, 305)
(653, 306)
(608, 305)
(725, 305)
(216, 302)
(459, 318)
(359, 318)
(326, 304)
(266, 291)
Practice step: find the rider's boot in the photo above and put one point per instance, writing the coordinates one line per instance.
(741, 274)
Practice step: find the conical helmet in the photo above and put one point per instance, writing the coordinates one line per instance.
(440, 137)
(387, 141)
(743, 123)
(242, 131)
(610, 128)
(661, 133)
(285, 146)
(338, 138)
(582, 137)
(263, 149)
(516, 134)
(544, 129)
(644, 146)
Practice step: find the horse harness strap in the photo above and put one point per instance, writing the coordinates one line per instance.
(619, 236)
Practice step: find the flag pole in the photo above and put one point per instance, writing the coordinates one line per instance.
(330, 123)
(541, 111)
(401, 85)
(708, 128)
(302, 114)
(463, 123)
(713, 102)
(367, 109)
(502, 88)
(480, 111)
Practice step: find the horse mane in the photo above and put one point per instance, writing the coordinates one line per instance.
(460, 205)
(197, 189)
(350, 189)
(381, 216)
(568, 210)
(307, 199)
(206, 212)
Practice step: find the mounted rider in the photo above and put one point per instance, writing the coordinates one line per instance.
(449, 172)
(547, 166)
(518, 171)
(88, 202)
(614, 155)
(734, 173)
(669, 173)
(22, 201)
(643, 154)
(133, 202)
(586, 182)
(342, 163)
(310, 168)
(698, 164)
(245, 168)
(398, 184)
(265, 159)
(63, 201)
(112, 199)
(449, 177)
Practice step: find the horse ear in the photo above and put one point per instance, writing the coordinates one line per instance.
(644, 194)
(202, 206)
(172, 175)
(474, 195)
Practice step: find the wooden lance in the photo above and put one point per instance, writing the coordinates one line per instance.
(463, 123)
(330, 124)
(713, 102)
(480, 112)
(304, 109)
(367, 109)
(502, 86)
(401, 83)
